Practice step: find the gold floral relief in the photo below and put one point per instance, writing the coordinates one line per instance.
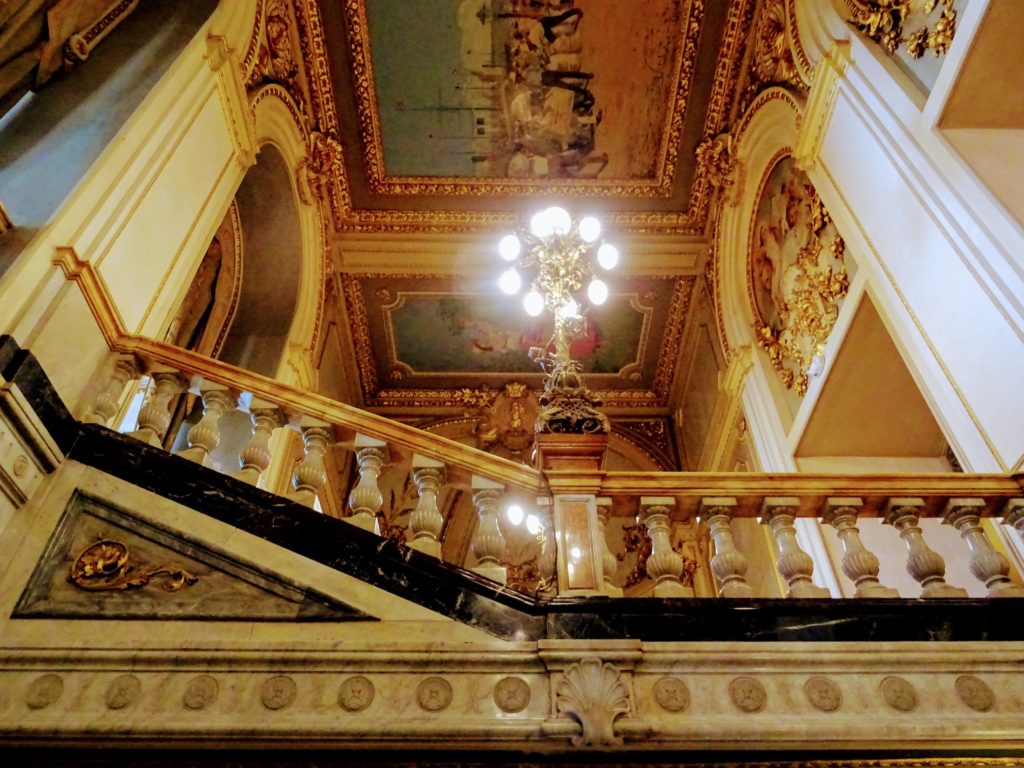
(796, 273)
(887, 23)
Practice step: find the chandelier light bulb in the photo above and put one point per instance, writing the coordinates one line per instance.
(590, 229)
(509, 247)
(533, 524)
(569, 309)
(597, 292)
(510, 282)
(607, 256)
(533, 303)
(541, 225)
(514, 514)
(559, 219)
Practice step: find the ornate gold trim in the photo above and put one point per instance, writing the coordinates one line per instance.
(103, 567)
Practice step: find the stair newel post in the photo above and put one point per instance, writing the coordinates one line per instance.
(254, 458)
(794, 565)
(989, 567)
(664, 565)
(155, 414)
(859, 564)
(426, 521)
(729, 564)
(204, 435)
(365, 500)
(104, 407)
(488, 544)
(923, 563)
(309, 476)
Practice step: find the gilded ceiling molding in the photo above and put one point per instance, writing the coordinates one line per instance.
(249, 59)
(800, 57)
(885, 21)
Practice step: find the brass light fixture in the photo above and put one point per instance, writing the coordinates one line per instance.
(562, 255)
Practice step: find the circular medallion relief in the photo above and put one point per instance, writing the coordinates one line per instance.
(823, 694)
(355, 694)
(671, 694)
(43, 691)
(200, 692)
(122, 691)
(748, 694)
(898, 693)
(278, 692)
(434, 694)
(511, 694)
(975, 693)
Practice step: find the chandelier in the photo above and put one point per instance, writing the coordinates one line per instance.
(560, 255)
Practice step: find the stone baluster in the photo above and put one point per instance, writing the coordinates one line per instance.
(923, 563)
(254, 458)
(795, 565)
(729, 564)
(609, 563)
(204, 436)
(365, 499)
(859, 564)
(310, 473)
(426, 521)
(155, 415)
(1013, 515)
(664, 564)
(990, 567)
(104, 407)
(488, 544)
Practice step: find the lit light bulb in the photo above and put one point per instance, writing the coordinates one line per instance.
(533, 524)
(509, 247)
(590, 229)
(541, 224)
(533, 303)
(560, 220)
(607, 256)
(569, 309)
(514, 514)
(510, 282)
(597, 292)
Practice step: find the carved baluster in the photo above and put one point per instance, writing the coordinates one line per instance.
(729, 564)
(366, 500)
(1014, 515)
(155, 415)
(990, 567)
(609, 563)
(204, 436)
(664, 565)
(923, 563)
(859, 564)
(488, 543)
(104, 407)
(795, 565)
(426, 521)
(254, 458)
(310, 474)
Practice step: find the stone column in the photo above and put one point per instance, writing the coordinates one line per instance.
(795, 565)
(729, 564)
(488, 544)
(426, 521)
(310, 474)
(859, 564)
(365, 500)
(609, 563)
(105, 406)
(155, 415)
(923, 563)
(664, 565)
(204, 436)
(254, 458)
(990, 567)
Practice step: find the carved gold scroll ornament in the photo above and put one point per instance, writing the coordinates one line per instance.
(103, 566)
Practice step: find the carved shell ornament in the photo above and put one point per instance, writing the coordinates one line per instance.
(593, 694)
